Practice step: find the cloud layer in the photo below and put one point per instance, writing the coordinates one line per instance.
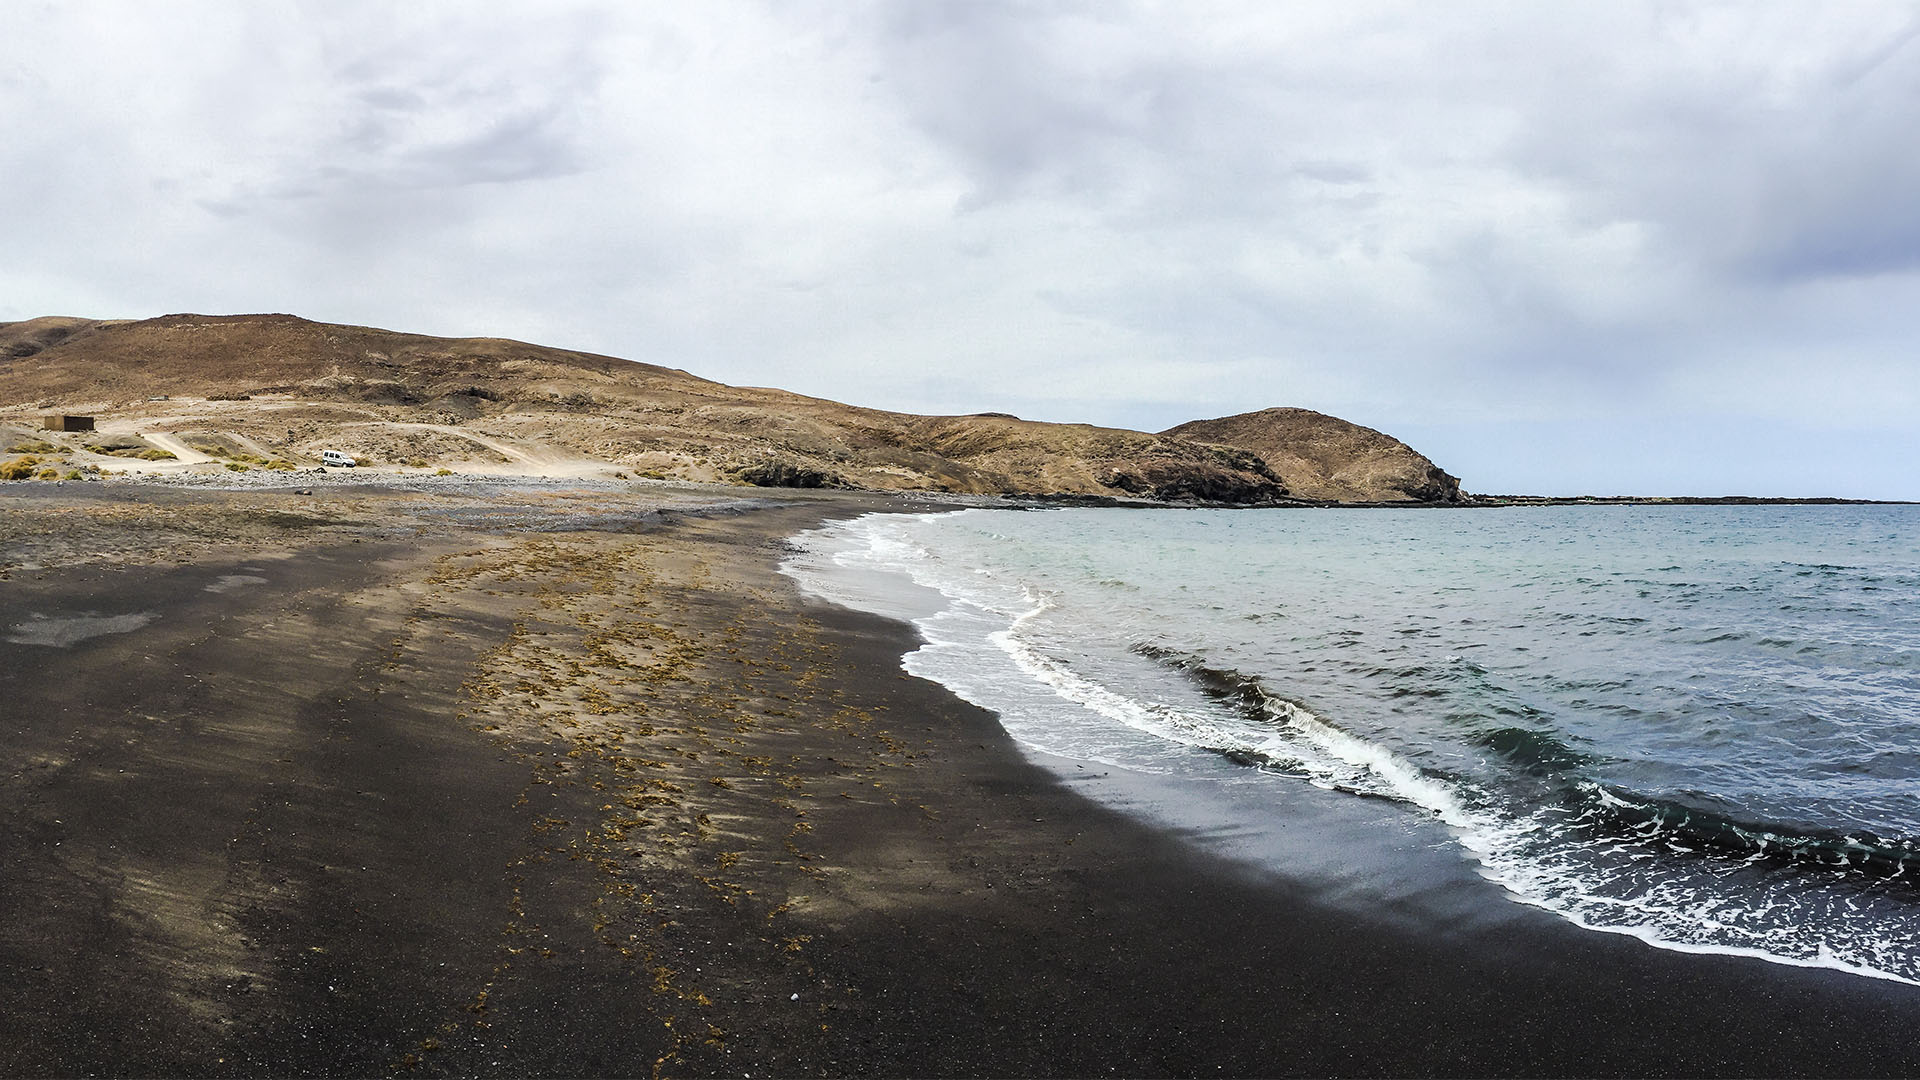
(1617, 247)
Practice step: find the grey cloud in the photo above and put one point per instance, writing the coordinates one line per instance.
(1764, 176)
(395, 98)
(1482, 223)
(981, 79)
(407, 125)
(444, 133)
(529, 144)
(1061, 102)
(1334, 172)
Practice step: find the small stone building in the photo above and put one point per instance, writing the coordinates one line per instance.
(67, 423)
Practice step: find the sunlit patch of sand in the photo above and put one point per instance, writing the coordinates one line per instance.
(62, 631)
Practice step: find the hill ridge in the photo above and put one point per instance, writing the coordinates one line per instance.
(293, 386)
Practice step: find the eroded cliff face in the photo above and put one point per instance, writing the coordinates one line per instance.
(287, 386)
(1317, 456)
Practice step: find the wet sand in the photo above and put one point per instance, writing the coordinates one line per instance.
(549, 783)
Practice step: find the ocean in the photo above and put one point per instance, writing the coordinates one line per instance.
(1696, 725)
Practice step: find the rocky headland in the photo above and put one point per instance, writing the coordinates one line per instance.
(1324, 457)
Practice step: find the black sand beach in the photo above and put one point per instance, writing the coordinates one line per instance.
(404, 783)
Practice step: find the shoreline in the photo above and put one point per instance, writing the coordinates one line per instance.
(475, 798)
(1221, 807)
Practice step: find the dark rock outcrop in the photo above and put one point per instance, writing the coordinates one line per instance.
(786, 473)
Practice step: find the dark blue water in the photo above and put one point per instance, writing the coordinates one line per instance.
(1699, 725)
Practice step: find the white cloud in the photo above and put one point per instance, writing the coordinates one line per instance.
(1468, 220)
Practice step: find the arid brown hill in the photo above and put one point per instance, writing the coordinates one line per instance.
(285, 387)
(1324, 457)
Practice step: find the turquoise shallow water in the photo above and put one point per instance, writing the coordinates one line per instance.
(1698, 725)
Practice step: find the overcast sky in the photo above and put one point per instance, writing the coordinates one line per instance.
(1560, 248)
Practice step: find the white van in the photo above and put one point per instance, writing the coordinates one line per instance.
(336, 459)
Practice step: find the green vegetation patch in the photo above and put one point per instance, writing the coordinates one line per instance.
(20, 468)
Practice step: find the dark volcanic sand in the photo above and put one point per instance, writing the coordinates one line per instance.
(601, 802)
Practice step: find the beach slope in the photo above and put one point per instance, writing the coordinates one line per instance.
(554, 782)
